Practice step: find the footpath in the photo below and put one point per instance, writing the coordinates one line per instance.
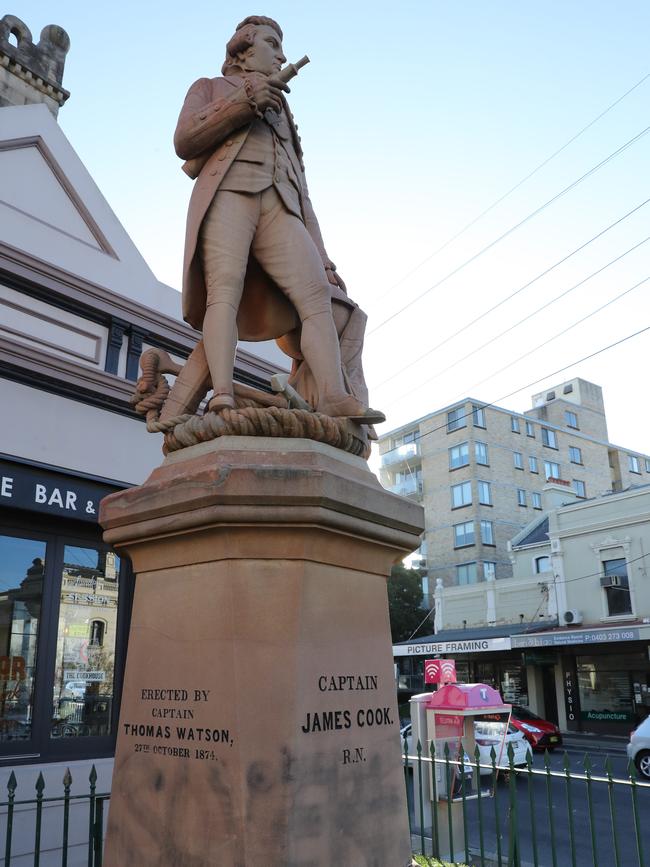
(575, 742)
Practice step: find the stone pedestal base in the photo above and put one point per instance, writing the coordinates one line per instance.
(259, 721)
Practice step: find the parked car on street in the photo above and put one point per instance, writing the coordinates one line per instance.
(74, 689)
(638, 748)
(488, 735)
(540, 733)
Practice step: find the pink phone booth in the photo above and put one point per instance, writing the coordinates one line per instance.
(451, 714)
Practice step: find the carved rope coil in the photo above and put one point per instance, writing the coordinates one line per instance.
(271, 421)
(249, 418)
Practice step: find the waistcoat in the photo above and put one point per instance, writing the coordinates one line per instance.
(263, 161)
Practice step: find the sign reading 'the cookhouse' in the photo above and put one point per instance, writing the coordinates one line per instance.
(42, 490)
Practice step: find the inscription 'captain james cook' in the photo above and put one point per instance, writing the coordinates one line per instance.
(337, 720)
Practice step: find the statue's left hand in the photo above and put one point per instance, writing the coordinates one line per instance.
(334, 278)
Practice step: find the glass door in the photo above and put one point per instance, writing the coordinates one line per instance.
(84, 663)
(63, 633)
(22, 584)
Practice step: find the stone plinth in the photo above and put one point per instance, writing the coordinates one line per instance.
(259, 720)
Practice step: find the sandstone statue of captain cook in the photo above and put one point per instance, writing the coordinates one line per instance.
(255, 264)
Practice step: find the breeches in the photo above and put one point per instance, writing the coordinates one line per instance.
(239, 224)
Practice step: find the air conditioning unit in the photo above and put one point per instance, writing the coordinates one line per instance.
(572, 617)
(613, 581)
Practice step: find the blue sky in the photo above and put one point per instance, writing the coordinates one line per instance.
(415, 117)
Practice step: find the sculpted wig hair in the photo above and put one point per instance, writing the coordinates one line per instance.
(243, 38)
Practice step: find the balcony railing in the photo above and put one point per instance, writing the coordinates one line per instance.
(402, 453)
(407, 487)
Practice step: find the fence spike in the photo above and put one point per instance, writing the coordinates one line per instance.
(93, 776)
(566, 762)
(612, 810)
(67, 778)
(587, 765)
(532, 806)
(12, 784)
(631, 769)
(40, 784)
(549, 805)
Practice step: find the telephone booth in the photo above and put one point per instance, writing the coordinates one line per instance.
(454, 713)
(453, 718)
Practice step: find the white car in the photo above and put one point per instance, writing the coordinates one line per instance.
(638, 748)
(74, 689)
(488, 735)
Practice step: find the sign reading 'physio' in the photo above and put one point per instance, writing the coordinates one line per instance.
(41, 490)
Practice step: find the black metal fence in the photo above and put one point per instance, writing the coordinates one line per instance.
(499, 815)
(23, 823)
(492, 815)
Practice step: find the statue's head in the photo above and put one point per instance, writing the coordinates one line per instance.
(255, 47)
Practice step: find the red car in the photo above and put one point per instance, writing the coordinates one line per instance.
(540, 733)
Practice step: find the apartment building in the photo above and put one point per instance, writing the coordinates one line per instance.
(480, 471)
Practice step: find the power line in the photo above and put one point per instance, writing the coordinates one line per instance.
(594, 574)
(480, 406)
(512, 229)
(521, 321)
(421, 624)
(512, 189)
(513, 294)
(561, 333)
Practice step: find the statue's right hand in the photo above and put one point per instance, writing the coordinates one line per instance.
(267, 91)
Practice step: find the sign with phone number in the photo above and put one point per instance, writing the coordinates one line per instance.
(557, 639)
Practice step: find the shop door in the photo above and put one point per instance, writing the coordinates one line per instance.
(550, 693)
(641, 695)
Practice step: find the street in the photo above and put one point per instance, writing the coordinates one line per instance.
(554, 839)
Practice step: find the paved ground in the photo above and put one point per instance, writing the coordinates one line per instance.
(534, 800)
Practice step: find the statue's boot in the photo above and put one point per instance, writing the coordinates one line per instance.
(320, 347)
(190, 386)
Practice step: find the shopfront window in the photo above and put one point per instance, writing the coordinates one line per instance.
(22, 566)
(61, 644)
(514, 684)
(85, 652)
(605, 688)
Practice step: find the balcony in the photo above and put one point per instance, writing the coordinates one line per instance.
(401, 454)
(409, 487)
